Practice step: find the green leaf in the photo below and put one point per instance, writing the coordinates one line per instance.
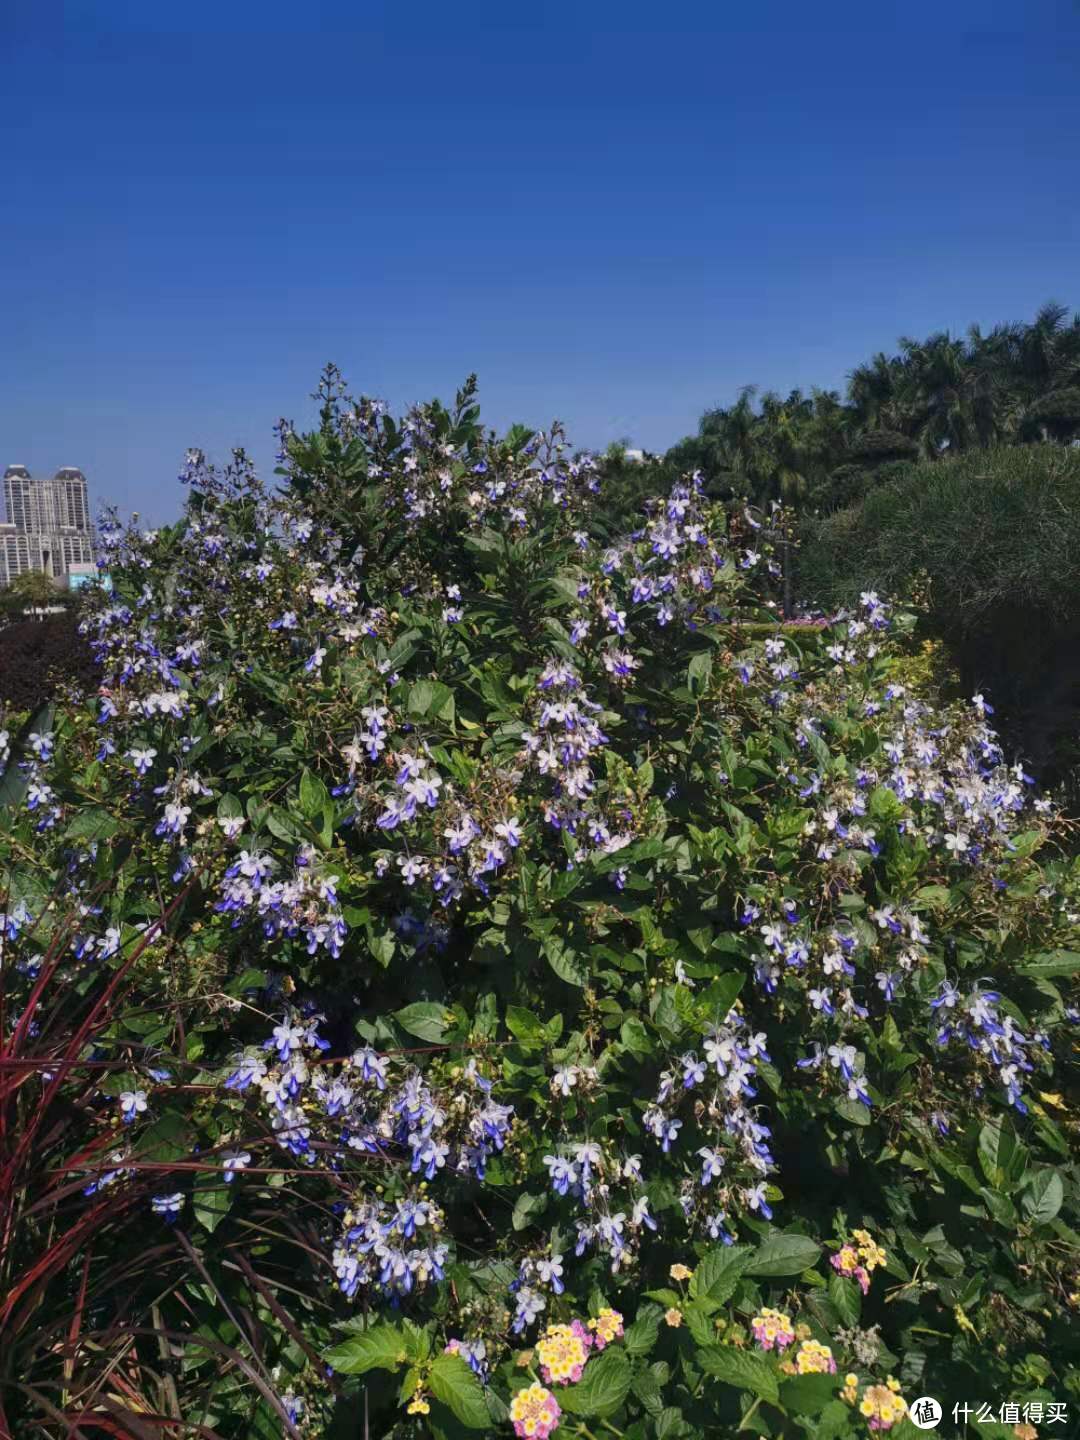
(698, 1319)
(1051, 1136)
(169, 1137)
(846, 1299)
(1043, 1197)
(1000, 1207)
(313, 796)
(553, 1029)
(718, 998)
(834, 1422)
(431, 697)
(699, 670)
(646, 1387)
(454, 1383)
(602, 1388)
(249, 979)
(784, 1254)
(210, 1200)
(640, 1338)
(1052, 963)
(525, 1026)
(1002, 1158)
(808, 1394)
(719, 1271)
(280, 823)
(383, 946)
(93, 824)
(526, 1207)
(383, 1347)
(568, 965)
(853, 1111)
(742, 1369)
(420, 697)
(670, 1422)
(635, 1037)
(425, 1019)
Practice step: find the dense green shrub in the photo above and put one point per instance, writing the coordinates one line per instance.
(879, 447)
(483, 927)
(1055, 416)
(39, 657)
(849, 483)
(993, 541)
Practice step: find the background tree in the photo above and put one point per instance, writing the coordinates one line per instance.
(937, 396)
(30, 590)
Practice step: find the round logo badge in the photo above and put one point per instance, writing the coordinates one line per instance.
(924, 1413)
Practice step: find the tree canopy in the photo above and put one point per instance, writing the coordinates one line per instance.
(945, 394)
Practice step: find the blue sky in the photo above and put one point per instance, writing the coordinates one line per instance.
(614, 213)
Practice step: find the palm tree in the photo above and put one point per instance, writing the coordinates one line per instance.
(945, 393)
(872, 392)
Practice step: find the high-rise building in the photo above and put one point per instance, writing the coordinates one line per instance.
(47, 523)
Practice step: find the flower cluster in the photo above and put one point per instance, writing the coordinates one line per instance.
(939, 785)
(432, 762)
(859, 1258)
(304, 906)
(606, 1327)
(882, 1406)
(431, 479)
(41, 799)
(772, 1329)
(418, 1404)
(562, 1351)
(671, 570)
(813, 1358)
(718, 1087)
(561, 745)
(473, 1352)
(534, 1412)
(594, 1174)
(454, 848)
(974, 1023)
(370, 1104)
(391, 1248)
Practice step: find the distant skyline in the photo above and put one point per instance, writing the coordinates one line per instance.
(615, 214)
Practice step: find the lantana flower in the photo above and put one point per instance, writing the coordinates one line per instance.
(534, 1412)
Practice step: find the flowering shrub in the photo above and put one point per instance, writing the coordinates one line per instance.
(561, 946)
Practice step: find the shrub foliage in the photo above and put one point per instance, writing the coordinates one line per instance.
(993, 541)
(39, 657)
(505, 981)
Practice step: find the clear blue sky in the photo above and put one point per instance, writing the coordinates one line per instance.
(615, 213)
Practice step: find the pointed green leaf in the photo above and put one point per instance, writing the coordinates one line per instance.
(1043, 1197)
(602, 1388)
(741, 1368)
(719, 1271)
(784, 1254)
(383, 1347)
(455, 1384)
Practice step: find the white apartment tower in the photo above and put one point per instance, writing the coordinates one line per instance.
(47, 523)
